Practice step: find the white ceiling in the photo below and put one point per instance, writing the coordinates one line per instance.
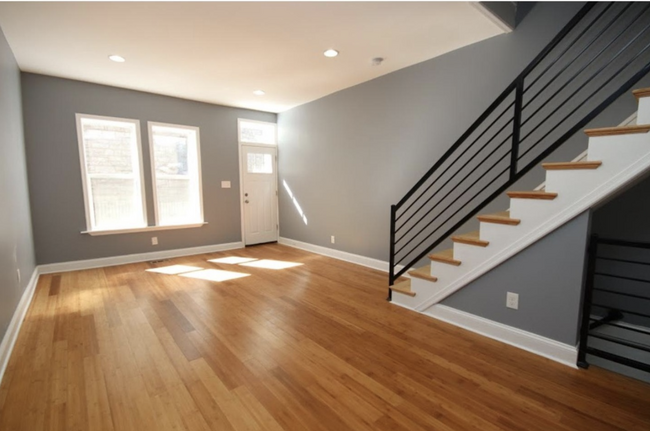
(219, 52)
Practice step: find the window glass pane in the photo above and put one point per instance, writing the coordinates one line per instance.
(113, 202)
(257, 133)
(111, 155)
(260, 163)
(177, 179)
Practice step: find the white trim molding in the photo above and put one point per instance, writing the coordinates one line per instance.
(559, 352)
(143, 229)
(368, 262)
(133, 258)
(10, 337)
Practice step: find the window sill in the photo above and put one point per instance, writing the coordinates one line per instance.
(142, 229)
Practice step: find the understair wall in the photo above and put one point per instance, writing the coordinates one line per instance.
(548, 278)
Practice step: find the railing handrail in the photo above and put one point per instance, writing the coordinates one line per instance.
(517, 89)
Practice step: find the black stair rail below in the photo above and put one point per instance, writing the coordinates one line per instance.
(617, 41)
(602, 313)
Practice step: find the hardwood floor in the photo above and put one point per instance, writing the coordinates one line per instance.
(313, 347)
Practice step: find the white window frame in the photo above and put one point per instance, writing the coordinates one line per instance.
(150, 126)
(261, 144)
(84, 173)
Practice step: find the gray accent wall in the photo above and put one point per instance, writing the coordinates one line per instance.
(548, 278)
(50, 105)
(16, 245)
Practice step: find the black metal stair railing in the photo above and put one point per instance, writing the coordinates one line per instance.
(600, 54)
(616, 306)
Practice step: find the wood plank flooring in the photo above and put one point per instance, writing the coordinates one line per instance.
(313, 347)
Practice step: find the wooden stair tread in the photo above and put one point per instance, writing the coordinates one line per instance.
(423, 273)
(619, 130)
(571, 165)
(403, 287)
(533, 195)
(641, 92)
(445, 256)
(471, 238)
(502, 217)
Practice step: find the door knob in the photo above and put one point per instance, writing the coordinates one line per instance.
(245, 194)
(246, 201)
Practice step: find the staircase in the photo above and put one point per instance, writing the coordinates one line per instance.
(616, 156)
(597, 57)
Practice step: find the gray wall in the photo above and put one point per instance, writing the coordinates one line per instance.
(16, 245)
(348, 156)
(548, 278)
(55, 184)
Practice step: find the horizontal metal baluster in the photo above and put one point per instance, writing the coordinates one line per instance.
(618, 359)
(451, 178)
(576, 57)
(623, 243)
(616, 325)
(622, 310)
(613, 292)
(622, 342)
(585, 101)
(558, 91)
(472, 198)
(570, 45)
(622, 277)
(448, 193)
(452, 163)
(633, 262)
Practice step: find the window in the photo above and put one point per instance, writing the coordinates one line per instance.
(111, 169)
(176, 168)
(259, 163)
(257, 132)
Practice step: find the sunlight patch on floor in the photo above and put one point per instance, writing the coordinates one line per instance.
(232, 260)
(271, 264)
(214, 275)
(174, 269)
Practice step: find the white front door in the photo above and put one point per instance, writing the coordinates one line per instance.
(259, 194)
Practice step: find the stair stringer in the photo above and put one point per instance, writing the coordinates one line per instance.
(438, 291)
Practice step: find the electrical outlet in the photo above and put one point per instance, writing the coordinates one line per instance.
(512, 300)
(154, 240)
(333, 240)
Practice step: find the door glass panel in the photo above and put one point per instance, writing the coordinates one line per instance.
(260, 163)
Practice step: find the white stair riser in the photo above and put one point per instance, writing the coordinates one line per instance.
(497, 233)
(407, 300)
(618, 151)
(582, 179)
(643, 115)
(469, 254)
(444, 271)
(531, 210)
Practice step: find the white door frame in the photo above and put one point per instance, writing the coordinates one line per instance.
(241, 174)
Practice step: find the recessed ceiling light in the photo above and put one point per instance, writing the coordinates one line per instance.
(259, 93)
(331, 53)
(117, 58)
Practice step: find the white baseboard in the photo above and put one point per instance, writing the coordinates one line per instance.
(340, 255)
(542, 346)
(10, 337)
(133, 258)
